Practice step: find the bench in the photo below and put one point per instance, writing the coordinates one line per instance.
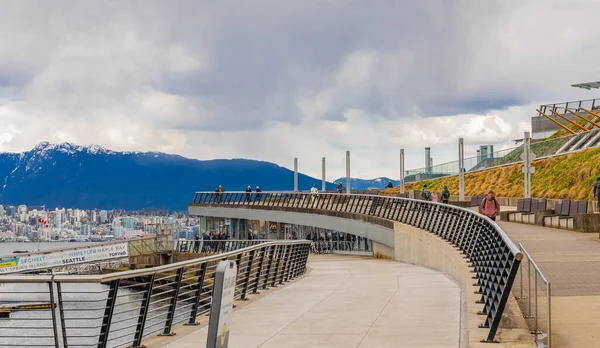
(526, 208)
(576, 207)
(536, 205)
(562, 208)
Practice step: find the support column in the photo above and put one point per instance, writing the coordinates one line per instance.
(323, 180)
(461, 170)
(527, 170)
(401, 170)
(296, 174)
(428, 160)
(347, 172)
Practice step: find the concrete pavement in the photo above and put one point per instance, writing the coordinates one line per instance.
(348, 301)
(571, 262)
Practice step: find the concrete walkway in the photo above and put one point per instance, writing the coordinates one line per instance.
(571, 262)
(348, 301)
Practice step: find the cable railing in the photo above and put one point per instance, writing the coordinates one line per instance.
(493, 256)
(535, 300)
(121, 309)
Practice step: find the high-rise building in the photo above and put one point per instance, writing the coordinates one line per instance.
(85, 230)
(103, 216)
(2, 212)
(94, 218)
(11, 210)
(128, 222)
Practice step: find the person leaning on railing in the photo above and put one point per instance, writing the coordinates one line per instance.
(490, 206)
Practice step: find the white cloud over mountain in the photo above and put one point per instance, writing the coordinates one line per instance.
(274, 80)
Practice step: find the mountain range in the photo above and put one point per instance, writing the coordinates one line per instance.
(93, 177)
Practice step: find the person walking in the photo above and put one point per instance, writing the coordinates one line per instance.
(445, 194)
(490, 206)
(390, 185)
(314, 192)
(258, 193)
(248, 193)
(597, 193)
(196, 243)
(425, 194)
(340, 187)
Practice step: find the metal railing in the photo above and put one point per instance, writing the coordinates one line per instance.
(494, 257)
(532, 304)
(325, 247)
(211, 246)
(120, 309)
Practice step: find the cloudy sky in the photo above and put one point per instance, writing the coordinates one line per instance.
(274, 80)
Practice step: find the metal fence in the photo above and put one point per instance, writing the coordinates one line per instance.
(120, 309)
(494, 257)
(326, 247)
(210, 246)
(535, 299)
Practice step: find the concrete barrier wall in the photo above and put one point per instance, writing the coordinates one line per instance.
(422, 248)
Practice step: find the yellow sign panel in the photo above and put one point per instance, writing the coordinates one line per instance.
(8, 263)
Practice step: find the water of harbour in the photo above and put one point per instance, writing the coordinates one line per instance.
(10, 247)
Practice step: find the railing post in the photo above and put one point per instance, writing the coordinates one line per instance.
(277, 265)
(145, 305)
(288, 264)
(549, 303)
(260, 268)
(108, 312)
(248, 273)
(61, 311)
(197, 295)
(271, 257)
(173, 304)
(53, 312)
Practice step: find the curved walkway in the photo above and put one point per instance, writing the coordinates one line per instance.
(348, 301)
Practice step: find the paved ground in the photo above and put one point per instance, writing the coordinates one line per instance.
(349, 301)
(571, 262)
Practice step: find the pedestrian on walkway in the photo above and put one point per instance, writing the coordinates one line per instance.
(597, 193)
(490, 206)
(196, 243)
(425, 194)
(445, 194)
(314, 192)
(248, 193)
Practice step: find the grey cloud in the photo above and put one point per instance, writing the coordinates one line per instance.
(165, 75)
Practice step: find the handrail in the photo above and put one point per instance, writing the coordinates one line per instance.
(123, 308)
(492, 253)
(535, 316)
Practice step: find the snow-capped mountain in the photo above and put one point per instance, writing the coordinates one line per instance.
(69, 175)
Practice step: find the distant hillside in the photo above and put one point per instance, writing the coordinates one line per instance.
(570, 176)
(67, 175)
(365, 184)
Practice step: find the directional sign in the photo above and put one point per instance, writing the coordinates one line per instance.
(531, 170)
(532, 156)
(221, 308)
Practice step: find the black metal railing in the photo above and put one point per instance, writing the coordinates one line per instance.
(120, 309)
(494, 257)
